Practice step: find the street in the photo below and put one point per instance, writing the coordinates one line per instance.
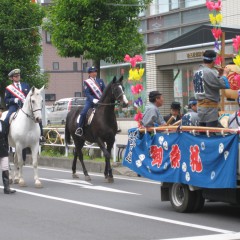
(130, 208)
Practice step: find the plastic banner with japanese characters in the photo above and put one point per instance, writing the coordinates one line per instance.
(198, 160)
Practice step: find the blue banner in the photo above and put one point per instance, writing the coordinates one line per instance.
(208, 162)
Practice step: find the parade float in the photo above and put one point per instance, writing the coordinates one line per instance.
(193, 163)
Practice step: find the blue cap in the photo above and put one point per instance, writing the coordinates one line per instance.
(92, 69)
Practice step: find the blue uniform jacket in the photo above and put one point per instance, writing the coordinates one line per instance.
(9, 97)
(89, 93)
(89, 100)
(9, 100)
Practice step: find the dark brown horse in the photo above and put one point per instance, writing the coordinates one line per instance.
(102, 129)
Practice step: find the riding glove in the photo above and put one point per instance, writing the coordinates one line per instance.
(95, 101)
(16, 100)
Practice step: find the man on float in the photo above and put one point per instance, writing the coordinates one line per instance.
(93, 88)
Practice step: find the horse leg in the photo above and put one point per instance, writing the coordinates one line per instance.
(15, 169)
(74, 165)
(107, 154)
(34, 150)
(18, 155)
(85, 172)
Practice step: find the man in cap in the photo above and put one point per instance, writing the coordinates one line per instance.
(4, 161)
(15, 95)
(93, 88)
(152, 116)
(207, 82)
(175, 114)
(191, 117)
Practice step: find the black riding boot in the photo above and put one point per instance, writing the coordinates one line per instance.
(5, 178)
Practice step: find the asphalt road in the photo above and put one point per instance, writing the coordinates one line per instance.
(130, 208)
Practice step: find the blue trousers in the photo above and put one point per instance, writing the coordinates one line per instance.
(11, 109)
(83, 113)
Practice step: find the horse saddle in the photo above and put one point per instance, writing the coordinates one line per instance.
(89, 116)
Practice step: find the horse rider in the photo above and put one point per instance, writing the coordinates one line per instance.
(4, 161)
(15, 95)
(93, 89)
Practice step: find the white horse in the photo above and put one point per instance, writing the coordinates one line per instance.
(25, 132)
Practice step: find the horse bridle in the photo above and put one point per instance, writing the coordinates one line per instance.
(104, 104)
(32, 111)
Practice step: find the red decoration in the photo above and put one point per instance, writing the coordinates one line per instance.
(157, 155)
(195, 160)
(175, 156)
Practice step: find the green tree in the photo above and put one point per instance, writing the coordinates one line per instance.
(20, 41)
(96, 29)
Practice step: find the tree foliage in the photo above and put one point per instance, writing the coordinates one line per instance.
(96, 29)
(20, 41)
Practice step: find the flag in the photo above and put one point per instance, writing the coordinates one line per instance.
(197, 160)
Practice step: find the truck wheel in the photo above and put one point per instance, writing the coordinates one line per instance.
(199, 201)
(181, 198)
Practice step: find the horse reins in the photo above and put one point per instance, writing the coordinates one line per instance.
(105, 104)
(32, 111)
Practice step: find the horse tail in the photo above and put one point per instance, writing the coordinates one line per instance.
(67, 132)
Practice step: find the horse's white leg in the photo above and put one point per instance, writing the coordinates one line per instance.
(16, 169)
(34, 150)
(18, 153)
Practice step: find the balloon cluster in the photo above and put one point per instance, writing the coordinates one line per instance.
(215, 17)
(135, 76)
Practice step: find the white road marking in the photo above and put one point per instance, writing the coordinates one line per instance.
(135, 179)
(229, 236)
(129, 213)
(84, 184)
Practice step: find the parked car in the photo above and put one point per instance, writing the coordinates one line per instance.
(58, 111)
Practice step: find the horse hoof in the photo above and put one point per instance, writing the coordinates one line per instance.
(109, 180)
(16, 181)
(88, 179)
(22, 183)
(74, 175)
(38, 184)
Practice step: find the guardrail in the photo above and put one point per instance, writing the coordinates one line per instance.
(55, 138)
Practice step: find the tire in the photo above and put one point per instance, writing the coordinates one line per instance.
(181, 198)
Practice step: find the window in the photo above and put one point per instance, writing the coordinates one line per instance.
(50, 97)
(75, 66)
(85, 66)
(174, 4)
(163, 6)
(191, 3)
(48, 37)
(55, 65)
(77, 94)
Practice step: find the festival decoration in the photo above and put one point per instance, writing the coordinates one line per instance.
(215, 18)
(135, 76)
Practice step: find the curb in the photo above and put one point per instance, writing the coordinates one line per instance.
(91, 165)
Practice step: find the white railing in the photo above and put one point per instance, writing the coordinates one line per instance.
(55, 138)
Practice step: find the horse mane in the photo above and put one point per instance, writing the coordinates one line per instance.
(105, 91)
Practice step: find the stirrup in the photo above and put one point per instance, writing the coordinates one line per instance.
(79, 132)
(42, 139)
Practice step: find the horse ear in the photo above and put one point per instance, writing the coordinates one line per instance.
(42, 88)
(33, 89)
(114, 79)
(120, 79)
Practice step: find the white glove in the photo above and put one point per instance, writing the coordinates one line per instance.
(16, 100)
(95, 101)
